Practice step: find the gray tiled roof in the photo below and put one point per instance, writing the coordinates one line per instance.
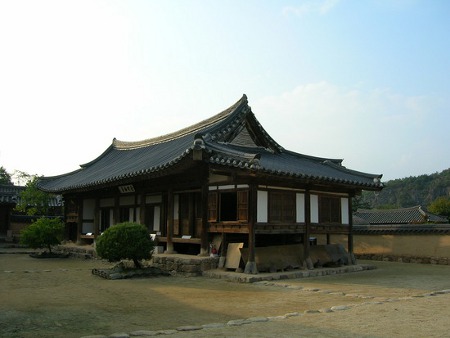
(233, 138)
(9, 194)
(413, 215)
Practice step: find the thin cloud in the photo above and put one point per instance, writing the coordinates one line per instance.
(375, 130)
(311, 7)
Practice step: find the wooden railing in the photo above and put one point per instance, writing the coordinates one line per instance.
(228, 227)
(329, 229)
(280, 228)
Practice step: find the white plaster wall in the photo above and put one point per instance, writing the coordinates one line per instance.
(262, 206)
(126, 200)
(88, 208)
(300, 207)
(156, 218)
(151, 199)
(106, 202)
(344, 211)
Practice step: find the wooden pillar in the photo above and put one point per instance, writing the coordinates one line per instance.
(96, 217)
(191, 214)
(223, 251)
(142, 210)
(350, 231)
(80, 219)
(306, 253)
(250, 266)
(116, 213)
(328, 238)
(205, 226)
(169, 235)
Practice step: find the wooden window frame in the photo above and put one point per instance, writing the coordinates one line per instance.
(215, 205)
(330, 209)
(282, 206)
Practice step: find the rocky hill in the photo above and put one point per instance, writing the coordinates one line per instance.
(407, 192)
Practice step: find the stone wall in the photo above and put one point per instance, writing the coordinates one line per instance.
(183, 264)
(77, 251)
(426, 247)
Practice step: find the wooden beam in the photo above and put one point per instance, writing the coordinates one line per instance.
(96, 217)
(204, 232)
(306, 252)
(79, 201)
(142, 210)
(350, 230)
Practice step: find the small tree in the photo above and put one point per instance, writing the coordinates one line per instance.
(125, 241)
(32, 200)
(440, 206)
(359, 202)
(43, 233)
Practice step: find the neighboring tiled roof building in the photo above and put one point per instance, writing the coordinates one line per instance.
(9, 197)
(10, 194)
(413, 215)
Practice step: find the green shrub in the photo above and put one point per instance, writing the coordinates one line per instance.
(43, 233)
(125, 241)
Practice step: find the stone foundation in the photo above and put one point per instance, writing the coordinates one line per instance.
(183, 264)
(84, 251)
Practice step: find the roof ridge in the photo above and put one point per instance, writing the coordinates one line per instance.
(416, 207)
(324, 160)
(333, 163)
(127, 145)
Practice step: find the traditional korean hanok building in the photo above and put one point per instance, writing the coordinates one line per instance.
(223, 176)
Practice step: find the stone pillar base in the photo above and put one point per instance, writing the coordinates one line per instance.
(250, 268)
(221, 264)
(169, 249)
(308, 264)
(203, 253)
(352, 258)
(170, 252)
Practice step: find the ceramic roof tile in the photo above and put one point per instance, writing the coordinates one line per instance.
(413, 215)
(9, 194)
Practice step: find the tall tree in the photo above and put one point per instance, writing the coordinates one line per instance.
(5, 177)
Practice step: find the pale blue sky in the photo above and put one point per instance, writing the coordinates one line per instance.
(366, 81)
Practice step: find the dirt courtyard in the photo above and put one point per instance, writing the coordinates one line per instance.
(61, 298)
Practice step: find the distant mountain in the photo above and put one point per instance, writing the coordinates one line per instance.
(407, 192)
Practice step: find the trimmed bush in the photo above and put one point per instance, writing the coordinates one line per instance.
(44, 233)
(125, 241)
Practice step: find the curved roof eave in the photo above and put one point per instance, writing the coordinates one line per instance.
(251, 162)
(112, 179)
